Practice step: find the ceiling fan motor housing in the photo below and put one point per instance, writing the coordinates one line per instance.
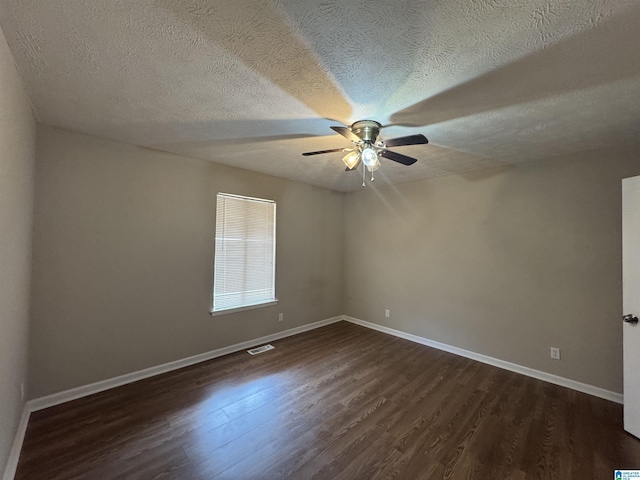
(367, 130)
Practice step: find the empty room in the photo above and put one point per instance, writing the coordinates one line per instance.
(337, 239)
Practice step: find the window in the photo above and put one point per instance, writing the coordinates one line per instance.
(244, 269)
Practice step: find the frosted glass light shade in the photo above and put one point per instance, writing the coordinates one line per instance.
(351, 159)
(369, 156)
(370, 159)
(374, 166)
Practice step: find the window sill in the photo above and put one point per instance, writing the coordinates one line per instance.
(216, 313)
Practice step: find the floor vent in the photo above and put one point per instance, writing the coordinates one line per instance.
(264, 348)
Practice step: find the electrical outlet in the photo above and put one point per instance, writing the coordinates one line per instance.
(22, 391)
(387, 313)
(555, 353)
(280, 317)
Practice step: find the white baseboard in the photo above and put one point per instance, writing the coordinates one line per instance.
(79, 392)
(529, 372)
(74, 393)
(16, 446)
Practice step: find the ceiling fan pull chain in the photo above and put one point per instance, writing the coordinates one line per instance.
(372, 175)
(364, 174)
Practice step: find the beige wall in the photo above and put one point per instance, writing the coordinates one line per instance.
(123, 258)
(17, 146)
(504, 262)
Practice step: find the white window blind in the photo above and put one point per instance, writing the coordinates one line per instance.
(245, 252)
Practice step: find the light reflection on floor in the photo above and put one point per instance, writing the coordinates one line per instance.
(253, 419)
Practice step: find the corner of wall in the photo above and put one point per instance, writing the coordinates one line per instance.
(17, 164)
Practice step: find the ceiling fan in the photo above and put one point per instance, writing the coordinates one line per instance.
(367, 148)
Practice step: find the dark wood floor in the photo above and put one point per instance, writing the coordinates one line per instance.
(338, 402)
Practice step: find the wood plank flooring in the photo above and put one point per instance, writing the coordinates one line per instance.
(339, 402)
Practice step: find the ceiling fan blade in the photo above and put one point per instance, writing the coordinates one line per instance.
(319, 152)
(410, 140)
(346, 133)
(397, 157)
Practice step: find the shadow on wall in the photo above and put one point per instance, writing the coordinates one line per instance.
(257, 34)
(600, 55)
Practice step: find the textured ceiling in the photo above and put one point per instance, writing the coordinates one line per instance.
(255, 83)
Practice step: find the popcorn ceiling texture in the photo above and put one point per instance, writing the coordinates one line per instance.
(254, 84)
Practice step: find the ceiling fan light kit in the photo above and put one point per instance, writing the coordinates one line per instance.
(368, 149)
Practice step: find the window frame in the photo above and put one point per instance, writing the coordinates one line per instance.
(252, 306)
